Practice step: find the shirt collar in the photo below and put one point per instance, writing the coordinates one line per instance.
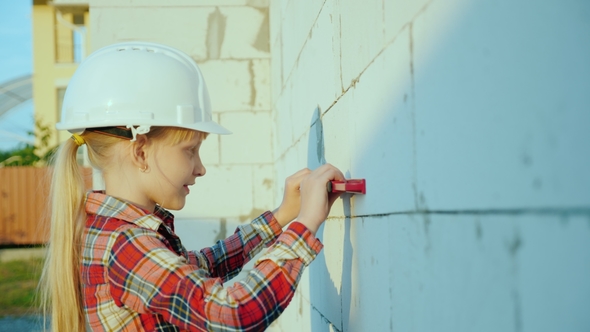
(97, 202)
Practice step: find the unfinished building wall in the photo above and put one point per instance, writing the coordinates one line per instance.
(470, 122)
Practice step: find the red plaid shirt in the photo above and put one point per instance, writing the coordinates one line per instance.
(137, 276)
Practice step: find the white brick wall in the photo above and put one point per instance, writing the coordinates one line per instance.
(184, 28)
(472, 135)
(229, 83)
(250, 142)
(242, 30)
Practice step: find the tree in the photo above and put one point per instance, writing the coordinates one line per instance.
(31, 155)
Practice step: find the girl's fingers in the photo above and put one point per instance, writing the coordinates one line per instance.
(295, 179)
(301, 174)
(330, 171)
(303, 171)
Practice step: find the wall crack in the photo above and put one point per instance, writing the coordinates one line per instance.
(567, 212)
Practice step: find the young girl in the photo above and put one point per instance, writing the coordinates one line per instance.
(114, 262)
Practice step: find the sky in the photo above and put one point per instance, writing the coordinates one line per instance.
(16, 59)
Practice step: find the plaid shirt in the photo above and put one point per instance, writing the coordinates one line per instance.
(137, 276)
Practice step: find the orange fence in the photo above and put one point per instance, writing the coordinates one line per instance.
(23, 198)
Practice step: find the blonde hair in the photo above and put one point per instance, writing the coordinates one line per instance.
(60, 284)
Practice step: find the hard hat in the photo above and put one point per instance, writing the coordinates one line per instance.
(138, 84)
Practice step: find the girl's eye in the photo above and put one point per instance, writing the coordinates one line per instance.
(192, 151)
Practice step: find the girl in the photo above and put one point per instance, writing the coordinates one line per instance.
(114, 262)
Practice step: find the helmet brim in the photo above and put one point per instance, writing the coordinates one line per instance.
(207, 127)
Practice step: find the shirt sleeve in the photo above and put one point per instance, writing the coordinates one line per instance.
(146, 277)
(227, 257)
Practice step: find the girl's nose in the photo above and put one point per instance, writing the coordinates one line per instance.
(200, 169)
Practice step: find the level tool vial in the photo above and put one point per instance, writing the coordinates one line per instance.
(350, 186)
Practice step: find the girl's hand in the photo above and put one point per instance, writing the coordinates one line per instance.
(291, 204)
(315, 200)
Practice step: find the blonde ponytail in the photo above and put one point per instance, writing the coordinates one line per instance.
(60, 291)
(60, 286)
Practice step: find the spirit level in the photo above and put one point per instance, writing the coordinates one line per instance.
(351, 186)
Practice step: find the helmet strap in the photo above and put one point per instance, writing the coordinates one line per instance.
(142, 129)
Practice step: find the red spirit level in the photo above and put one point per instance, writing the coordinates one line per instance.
(351, 186)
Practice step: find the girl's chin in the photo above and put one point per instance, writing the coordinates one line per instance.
(175, 206)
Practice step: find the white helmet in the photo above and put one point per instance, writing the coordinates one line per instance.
(138, 84)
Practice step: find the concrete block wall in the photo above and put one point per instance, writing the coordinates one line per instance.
(229, 40)
(469, 121)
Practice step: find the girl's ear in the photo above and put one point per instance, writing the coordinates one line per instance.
(139, 151)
